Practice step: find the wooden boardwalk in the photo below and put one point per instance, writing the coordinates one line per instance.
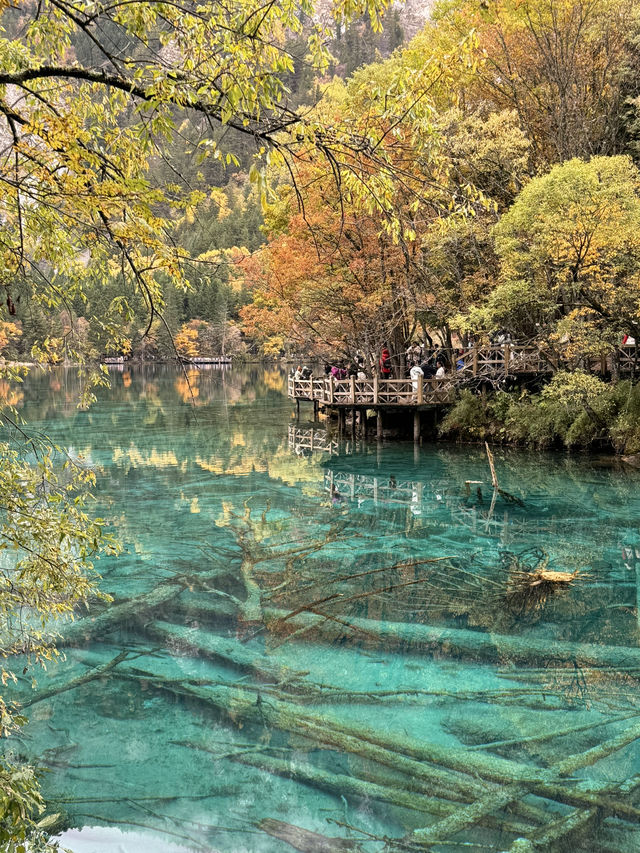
(373, 392)
(422, 394)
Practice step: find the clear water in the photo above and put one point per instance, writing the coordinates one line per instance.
(337, 640)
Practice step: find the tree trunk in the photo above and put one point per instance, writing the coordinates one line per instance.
(460, 642)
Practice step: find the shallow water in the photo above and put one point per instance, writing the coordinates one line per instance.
(337, 639)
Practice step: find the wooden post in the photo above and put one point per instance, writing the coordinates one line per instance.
(331, 390)
(507, 357)
(297, 408)
(420, 390)
(315, 410)
(494, 478)
(603, 364)
(342, 419)
(379, 424)
(353, 390)
(416, 426)
(312, 432)
(353, 423)
(375, 390)
(475, 360)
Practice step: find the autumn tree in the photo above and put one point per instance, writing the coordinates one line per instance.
(568, 67)
(335, 276)
(570, 257)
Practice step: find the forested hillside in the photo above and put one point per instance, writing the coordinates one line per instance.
(507, 208)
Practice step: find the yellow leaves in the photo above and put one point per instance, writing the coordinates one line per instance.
(51, 351)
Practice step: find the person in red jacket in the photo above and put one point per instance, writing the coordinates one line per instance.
(385, 363)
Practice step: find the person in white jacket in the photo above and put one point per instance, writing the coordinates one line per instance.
(416, 373)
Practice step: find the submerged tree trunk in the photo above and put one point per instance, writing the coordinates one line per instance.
(306, 841)
(460, 642)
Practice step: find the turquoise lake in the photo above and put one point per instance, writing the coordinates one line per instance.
(350, 647)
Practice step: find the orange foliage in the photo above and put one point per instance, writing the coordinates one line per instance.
(328, 282)
(9, 395)
(186, 341)
(8, 332)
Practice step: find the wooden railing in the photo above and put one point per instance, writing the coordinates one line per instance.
(513, 359)
(508, 358)
(490, 362)
(375, 392)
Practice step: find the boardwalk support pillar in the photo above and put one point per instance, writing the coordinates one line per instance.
(316, 407)
(297, 408)
(353, 424)
(416, 425)
(378, 424)
(342, 420)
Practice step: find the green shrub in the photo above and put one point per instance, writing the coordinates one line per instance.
(467, 419)
(576, 410)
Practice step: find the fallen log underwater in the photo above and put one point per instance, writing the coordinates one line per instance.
(306, 841)
(226, 650)
(454, 775)
(444, 777)
(596, 799)
(134, 609)
(230, 652)
(416, 638)
(242, 704)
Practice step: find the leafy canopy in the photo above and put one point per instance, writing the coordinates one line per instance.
(569, 249)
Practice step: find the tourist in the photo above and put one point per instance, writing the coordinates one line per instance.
(298, 374)
(440, 372)
(306, 373)
(385, 363)
(416, 374)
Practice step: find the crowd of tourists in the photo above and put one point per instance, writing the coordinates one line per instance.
(423, 361)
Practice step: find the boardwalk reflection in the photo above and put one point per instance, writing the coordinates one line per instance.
(304, 442)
